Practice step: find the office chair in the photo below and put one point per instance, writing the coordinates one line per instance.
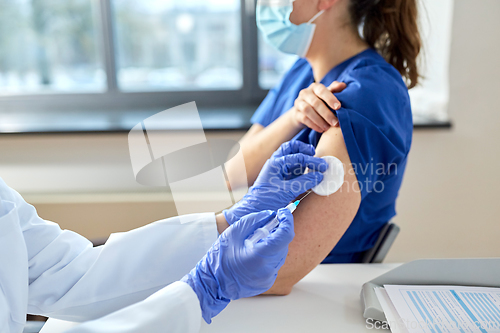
(99, 241)
(382, 246)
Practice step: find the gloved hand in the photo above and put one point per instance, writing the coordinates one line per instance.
(281, 180)
(230, 270)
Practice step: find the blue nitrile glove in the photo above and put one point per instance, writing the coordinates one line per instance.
(230, 270)
(281, 180)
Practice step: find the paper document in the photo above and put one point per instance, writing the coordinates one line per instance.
(391, 314)
(441, 309)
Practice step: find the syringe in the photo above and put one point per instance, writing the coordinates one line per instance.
(263, 232)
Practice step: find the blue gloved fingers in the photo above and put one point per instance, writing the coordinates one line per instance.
(251, 222)
(304, 183)
(290, 163)
(230, 270)
(281, 238)
(294, 147)
(271, 189)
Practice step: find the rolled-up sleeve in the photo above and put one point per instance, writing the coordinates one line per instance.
(375, 119)
(373, 155)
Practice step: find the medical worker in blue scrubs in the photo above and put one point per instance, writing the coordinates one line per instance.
(348, 96)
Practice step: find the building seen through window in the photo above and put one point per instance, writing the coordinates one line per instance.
(178, 44)
(153, 49)
(49, 46)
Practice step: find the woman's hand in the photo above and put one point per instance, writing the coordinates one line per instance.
(311, 110)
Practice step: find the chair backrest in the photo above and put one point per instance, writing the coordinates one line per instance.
(384, 242)
(99, 241)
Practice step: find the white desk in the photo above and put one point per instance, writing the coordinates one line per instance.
(326, 300)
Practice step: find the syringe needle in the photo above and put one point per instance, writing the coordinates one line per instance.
(264, 231)
(305, 195)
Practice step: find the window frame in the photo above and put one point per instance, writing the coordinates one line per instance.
(112, 98)
(112, 101)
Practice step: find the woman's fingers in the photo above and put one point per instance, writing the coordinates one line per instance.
(321, 110)
(314, 106)
(327, 96)
(337, 87)
(317, 99)
(309, 117)
(308, 122)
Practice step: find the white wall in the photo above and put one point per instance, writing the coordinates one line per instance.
(448, 205)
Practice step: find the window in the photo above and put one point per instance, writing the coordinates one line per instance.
(178, 44)
(101, 56)
(430, 99)
(272, 64)
(49, 46)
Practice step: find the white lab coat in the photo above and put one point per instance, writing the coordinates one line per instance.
(57, 273)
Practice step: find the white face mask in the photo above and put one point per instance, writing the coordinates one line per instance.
(273, 20)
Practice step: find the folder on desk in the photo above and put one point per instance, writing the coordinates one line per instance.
(444, 272)
(439, 309)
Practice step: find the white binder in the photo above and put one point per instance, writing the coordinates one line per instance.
(449, 272)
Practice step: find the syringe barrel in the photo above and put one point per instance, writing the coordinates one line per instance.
(262, 233)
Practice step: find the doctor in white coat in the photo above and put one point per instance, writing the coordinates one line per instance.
(143, 280)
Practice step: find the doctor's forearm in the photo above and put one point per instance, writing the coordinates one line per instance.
(221, 223)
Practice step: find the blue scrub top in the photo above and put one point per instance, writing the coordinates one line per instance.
(376, 122)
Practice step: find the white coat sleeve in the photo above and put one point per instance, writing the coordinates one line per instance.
(59, 274)
(13, 271)
(173, 309)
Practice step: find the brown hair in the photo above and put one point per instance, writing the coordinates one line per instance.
(391, 27)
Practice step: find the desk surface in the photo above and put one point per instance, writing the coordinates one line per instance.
(326, 300)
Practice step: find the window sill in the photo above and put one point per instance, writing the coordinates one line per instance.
(108, 122)
(432, 124)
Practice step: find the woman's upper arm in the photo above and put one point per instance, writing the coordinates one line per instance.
(320, 222)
